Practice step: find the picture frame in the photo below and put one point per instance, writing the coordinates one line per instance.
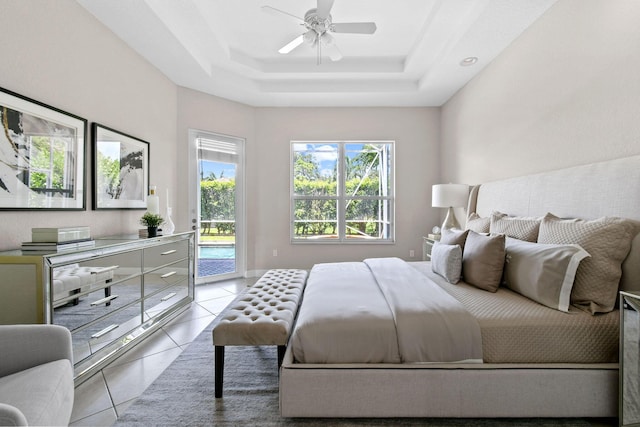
(120, 169)
(42, 156)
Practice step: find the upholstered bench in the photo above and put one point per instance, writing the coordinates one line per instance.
(262, 314)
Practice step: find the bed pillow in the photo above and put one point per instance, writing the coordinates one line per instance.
(446, 261)
(478, 224)
(454, 237)
(521, 228)
(542, 272)
(483, 260)
(608, 241)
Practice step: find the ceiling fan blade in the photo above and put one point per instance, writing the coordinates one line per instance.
(291, 45)
(354, 27)
(333, 52)
(324, 8)
(277, 12)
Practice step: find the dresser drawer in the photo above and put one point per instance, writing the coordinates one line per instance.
(114, 327)
(169, 253)
(87, 341)
(165, 276)
(88, 307)
(166, 298)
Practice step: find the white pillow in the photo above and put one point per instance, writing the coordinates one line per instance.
(542, 272)
(446, 261)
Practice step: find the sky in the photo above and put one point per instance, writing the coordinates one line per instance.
(217, 168)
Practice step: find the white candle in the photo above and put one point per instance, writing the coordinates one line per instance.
(153, 202)
(168, 198)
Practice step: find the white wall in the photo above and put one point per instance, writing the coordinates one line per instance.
(57, 53)
(416, 133)
(565, 93)
(200, 111)
(268, 132)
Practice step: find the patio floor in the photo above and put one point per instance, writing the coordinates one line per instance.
(211, 267)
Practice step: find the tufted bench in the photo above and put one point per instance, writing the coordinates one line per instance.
(262, 314)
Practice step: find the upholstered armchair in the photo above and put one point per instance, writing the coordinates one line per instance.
(36, 375)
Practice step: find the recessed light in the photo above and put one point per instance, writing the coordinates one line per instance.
(469, 61)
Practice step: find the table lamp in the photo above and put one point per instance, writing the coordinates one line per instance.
(449, 196)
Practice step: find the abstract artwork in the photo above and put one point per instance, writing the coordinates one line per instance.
(121, 170)
(42, 156)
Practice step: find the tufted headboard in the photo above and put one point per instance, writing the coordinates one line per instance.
(610, 188)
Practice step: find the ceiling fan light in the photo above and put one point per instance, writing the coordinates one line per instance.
(327, 39)
(309, 37)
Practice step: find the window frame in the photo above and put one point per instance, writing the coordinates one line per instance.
(342, 198)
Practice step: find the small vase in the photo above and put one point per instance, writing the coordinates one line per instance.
(152, 231)
(169, 227)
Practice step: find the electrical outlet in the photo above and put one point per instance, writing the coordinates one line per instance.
(412, 253)
(275, 252)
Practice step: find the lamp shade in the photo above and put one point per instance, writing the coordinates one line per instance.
(449, 195)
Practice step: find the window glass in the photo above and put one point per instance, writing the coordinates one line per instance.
(342, 191)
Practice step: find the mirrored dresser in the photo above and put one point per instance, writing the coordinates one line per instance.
(629, 414)
(110, 295)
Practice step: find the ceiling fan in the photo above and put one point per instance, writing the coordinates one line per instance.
(318, 24)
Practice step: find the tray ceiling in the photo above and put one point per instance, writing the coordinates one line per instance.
(230, 48)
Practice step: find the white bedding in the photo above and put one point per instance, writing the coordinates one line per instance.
(381, 311)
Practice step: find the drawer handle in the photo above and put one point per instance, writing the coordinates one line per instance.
(169, 274)
(104, 300)
(104, 331)
(169, 252)
(102, 270)
(168, 296)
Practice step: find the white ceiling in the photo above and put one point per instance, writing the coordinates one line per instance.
(229, 48)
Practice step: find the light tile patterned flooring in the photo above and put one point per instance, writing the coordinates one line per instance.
(107, 394)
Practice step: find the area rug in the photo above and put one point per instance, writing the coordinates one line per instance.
(183, 396)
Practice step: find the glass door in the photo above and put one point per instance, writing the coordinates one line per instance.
(217, 204)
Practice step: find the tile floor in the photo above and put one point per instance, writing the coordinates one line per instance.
(100, 399)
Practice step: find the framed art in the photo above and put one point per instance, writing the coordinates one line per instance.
(121, 170)
(42, 156)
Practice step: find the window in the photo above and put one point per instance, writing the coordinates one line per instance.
(342, 191)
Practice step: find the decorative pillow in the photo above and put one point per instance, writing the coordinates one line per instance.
(454, 237)
(483, 260)
(542, 272)
(608, 241)
(478, 224)
(446, 261)
(521, 228)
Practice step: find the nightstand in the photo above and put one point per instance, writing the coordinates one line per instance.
(427, 245)
(629, 396)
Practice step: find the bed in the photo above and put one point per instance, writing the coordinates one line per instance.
(526, 367)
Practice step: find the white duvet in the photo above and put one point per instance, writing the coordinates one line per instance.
(381, 310)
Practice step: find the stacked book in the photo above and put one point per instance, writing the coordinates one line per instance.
(58, 239)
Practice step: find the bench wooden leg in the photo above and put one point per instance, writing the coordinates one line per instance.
(219, 369)
(281, 350)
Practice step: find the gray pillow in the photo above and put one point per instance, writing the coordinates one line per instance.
(483, 260)
(518, 227)
(477, 223)
(454, 237)
(542, 272)
(608, 241)
(446, 261)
